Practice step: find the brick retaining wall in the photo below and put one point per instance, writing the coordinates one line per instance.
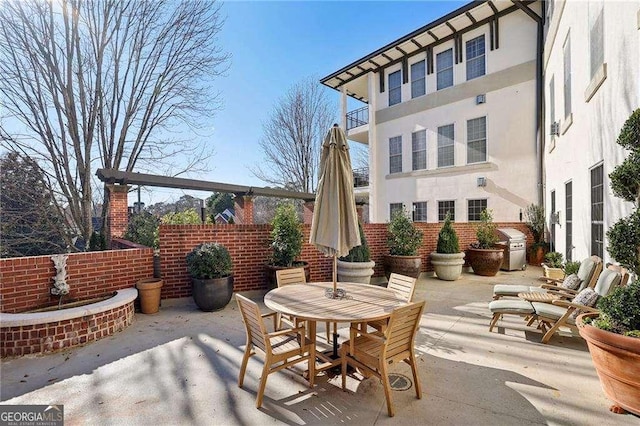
(26, 280)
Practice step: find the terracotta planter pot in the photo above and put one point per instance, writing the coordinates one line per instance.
(149, 292)
(271, 273)
(355, 272)
(485, 262)
(617, 361)
(403, 265)
(447, 266)
(212, 294)
(536, 255)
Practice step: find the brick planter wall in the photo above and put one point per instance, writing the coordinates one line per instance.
(54, 336)
(249, 248)
(26, 280)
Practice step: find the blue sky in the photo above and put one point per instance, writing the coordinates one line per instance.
(276, 44)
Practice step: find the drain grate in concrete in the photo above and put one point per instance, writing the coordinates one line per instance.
(399, 382)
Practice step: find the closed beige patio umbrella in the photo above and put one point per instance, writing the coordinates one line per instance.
(334, 230)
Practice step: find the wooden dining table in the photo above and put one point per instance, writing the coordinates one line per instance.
(362, 303)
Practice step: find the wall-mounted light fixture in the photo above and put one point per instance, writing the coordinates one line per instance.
(481, 181)
(480, 99)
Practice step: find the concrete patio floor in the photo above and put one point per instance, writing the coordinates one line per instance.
(180, 366)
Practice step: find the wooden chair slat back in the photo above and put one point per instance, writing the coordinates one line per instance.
(290, 276)
(403, 285)
(402, 328)
(253, 323)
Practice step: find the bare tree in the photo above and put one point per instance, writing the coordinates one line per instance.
(108, 83)
(293, 136)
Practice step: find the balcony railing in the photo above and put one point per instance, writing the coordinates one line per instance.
(358, 117)
(361, 177)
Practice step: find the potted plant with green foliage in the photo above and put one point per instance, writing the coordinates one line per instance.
(553, 265)
(210, 268)
(614, 336)
(534, 218)
(448, 260)
(286, 243)
(484, 257)
(403, 239)
(571, 267)
(357, 266)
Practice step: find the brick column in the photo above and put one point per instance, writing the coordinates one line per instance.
(244, 209)
(118, 215)
(308, 212)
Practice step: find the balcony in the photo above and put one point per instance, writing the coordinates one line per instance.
(358, 117)
(361, 177)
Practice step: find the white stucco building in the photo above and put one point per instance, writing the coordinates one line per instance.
(453, 115)
(592, 85)
(503, 104)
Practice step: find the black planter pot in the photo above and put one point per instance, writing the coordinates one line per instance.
(270, 271)
(213, 294)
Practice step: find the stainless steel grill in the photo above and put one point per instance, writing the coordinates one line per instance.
(515, 249)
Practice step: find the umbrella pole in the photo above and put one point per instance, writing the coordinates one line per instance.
(335, 273)
(335, 325)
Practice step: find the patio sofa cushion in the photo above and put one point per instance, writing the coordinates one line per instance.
(547, 310)
(585, 272)
(509, 290)
(511, 306)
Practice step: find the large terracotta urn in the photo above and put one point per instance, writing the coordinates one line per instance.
(617, 362)
(485, 262)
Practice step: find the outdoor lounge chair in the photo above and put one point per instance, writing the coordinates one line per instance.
(404, 287)
(372, 352)
(563, 312)
(556, 313)
(588, 273)
(281, 349)
(294, 276)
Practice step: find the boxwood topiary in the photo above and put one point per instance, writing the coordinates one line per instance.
(447, 238)
(404, 238)
(359, 253)
(620, 310)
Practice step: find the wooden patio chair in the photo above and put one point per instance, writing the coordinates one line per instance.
(372, 352)
(588, 273)
(294, 276)
(281, 348)
(561, 313)
(404, 287)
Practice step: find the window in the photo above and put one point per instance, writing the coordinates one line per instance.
(567, 77)
(420, 211)
(395, 154)
(393, 208)
(597, 211)
(477, 140)
(552, 231)
(418, 86)
(395, 91)
(445, 146)
(444, 207)
(568, 221)
(444, 68)
(474, 208)
(419, 148)
(475, 58)
(552, 100)
(596, 36)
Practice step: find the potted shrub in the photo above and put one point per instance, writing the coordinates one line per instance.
(553, 266)
(357, 266)
(209, 265)
(447, 260)
(403, 240)
(286, 243)
(571, 267)
(614, 337)
(484, 257)
(534, 218)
